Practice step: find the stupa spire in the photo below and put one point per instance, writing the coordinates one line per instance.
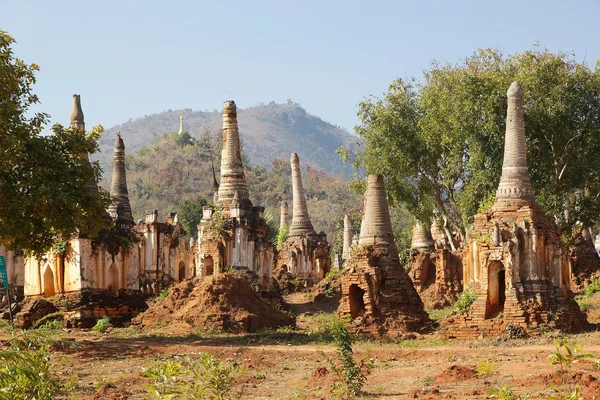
(232, 171)
(300, 219)
(515, 183)
(120, 208)
(376, 225)
(77, 121)
(347, 238)
(181, 123)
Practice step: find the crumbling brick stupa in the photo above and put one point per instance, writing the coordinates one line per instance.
(234, 234)
(377, 293)
(436, 272)
(305, 254)
(513, 259)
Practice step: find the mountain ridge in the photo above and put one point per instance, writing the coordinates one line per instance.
(268, 132)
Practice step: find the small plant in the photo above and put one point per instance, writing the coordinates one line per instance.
(428, 380)
(102, 325)
(592, 288)
(211, 380)
(333, 273)
(515, 332)
(103, 383)
(464, 302)
(164, 292)
(282, 236)
(26, 371)
(351, 375)
(486, 369)
(165, 376)
(502, 393)
(572, 354)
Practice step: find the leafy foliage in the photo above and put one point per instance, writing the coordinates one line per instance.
(566, 355)
(190, 212)
(44, 178)
(351, 375)
(439, 142)
(26, 371)
(282, 235)
(466, 299)
(203, 377)
(102, 325)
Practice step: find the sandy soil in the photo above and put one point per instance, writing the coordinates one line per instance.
(287, 364)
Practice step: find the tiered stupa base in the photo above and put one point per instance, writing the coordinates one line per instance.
(379, 297)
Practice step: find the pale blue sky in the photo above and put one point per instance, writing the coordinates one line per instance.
(131, 58)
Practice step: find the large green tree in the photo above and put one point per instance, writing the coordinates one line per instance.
(439, 141)
(44, 178)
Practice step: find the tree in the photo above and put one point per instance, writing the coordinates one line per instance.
(191, 211)
(439, 143)
(45, 190)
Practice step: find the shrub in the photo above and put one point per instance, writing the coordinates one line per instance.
(164, 292)
(592, 288)
(515, 332)
(204, 377)
(351, 375)
(102, 325)
(25, 368)
(466, 299)
(486, 369)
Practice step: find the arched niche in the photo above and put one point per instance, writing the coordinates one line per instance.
(208, 266)
(356, 297)
(181, 271)
(496, 294)
(49, 290)
(112, 278)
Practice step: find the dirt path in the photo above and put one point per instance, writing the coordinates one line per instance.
(418, 369)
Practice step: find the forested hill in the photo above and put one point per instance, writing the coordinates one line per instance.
(269, 132)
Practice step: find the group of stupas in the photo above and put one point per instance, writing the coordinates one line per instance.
(520, 276)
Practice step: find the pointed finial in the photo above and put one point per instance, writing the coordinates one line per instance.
(181, 123)
(77, 120)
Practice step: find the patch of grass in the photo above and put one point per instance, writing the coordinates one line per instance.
(103, 383)
(486, 369)
(102, 325)
(164, 292)
(438, 315)
(592, 288)
(407, 343)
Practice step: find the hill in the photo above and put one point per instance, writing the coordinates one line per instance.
(269, 132)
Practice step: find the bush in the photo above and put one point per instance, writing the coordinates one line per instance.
(466, 299)
(351, 375)
(203, 377)
(26, 371)
(592, 288)
(102, 325)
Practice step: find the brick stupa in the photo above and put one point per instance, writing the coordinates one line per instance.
(377, 293)
(513, 258)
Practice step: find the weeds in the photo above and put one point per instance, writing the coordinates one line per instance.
(486, 369)
(26, 371)
(466, 299)
(351, 375)
(572, 354)
(592, 288)
(164, 292)
(203, 377)
(102, 325)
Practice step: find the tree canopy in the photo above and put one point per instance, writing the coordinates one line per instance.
(45, 190)
(439, 141)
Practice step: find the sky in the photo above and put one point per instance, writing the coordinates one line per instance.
(131, 58)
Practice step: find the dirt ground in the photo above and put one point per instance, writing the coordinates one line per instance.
(292, 364)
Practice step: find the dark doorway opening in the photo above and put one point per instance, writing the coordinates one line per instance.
(496, 289)
(357, 301)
